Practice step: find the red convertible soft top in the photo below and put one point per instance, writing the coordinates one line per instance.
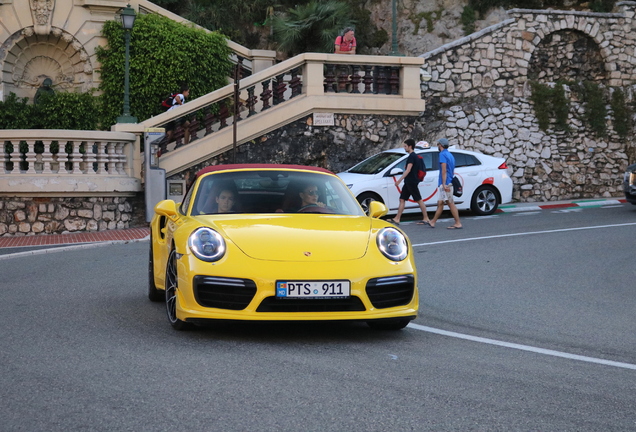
(259, 166)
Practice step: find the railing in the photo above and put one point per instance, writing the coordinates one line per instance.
(352, 83)
(68, 161)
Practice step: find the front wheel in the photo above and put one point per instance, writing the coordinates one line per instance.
(389, 324)
(365, 199)
(171, 293)
(485, 201)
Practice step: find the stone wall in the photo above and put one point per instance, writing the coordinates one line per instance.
(30, 216)
(352, 138)
(478, 88)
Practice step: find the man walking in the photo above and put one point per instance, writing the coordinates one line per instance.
(411, 182)
(445, 184)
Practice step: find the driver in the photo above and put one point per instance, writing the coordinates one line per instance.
(309, 197)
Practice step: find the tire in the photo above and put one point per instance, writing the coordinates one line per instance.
(485, 201)
(389, 324)
(154, 294)
(367, 197)
(171, 293)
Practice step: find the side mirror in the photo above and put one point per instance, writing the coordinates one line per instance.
(166, 208)
(395, 172)
(377, 209)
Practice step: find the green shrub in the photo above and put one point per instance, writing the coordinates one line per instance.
(595, 108)
(622, 113)
(542, 100)
(163, 53)
(66, 110)
(15, 113)
(467, 20)
(560, 107)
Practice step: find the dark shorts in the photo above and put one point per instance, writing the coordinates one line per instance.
(411, 190)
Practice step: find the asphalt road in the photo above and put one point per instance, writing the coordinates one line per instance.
(526, 323)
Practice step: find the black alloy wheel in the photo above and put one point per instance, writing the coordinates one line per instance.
(171, 293)
(365, 199)
(485, 201)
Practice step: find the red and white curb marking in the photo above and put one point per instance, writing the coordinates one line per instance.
(527, 207)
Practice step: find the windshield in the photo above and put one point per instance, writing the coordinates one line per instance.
(376, 163)
(273, 191)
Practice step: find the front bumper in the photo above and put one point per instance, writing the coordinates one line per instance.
(379, 289)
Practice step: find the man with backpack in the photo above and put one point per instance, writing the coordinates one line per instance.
(445, 185)
(174, 101)
(413, 174)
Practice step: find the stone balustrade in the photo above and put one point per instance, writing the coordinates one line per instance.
(66, 161)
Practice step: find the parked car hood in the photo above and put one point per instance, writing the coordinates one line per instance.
(297, 237)
(352, 178)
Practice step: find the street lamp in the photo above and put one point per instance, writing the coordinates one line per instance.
(394, 44)
(127, 21)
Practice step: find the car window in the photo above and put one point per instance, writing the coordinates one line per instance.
(429, 160)
(375, 163)
(272, 191)
(186, 200)
(463, 160)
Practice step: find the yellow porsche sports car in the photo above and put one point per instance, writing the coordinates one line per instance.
(278, 242)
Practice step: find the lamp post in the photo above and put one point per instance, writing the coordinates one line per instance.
(394, 44)
(127, 21)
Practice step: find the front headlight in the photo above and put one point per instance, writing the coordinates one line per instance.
(207, 244)
(392, 244)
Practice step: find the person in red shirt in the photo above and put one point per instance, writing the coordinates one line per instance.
(346, 44)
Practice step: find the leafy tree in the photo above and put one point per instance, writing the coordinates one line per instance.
(312, 27)
(163, 55)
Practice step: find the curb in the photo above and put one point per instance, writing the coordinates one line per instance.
(593, 203)
(71, 248)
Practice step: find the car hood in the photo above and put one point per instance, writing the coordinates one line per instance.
(297, 237)
(353, 178)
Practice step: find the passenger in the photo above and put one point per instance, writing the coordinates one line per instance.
(309, 197)
(221, 202)
(225, 201)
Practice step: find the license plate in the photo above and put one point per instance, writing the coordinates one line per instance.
(313, 289)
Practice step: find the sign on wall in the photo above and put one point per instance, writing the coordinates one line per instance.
(323, 119)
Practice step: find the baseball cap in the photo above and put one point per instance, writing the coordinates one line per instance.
(443, 142)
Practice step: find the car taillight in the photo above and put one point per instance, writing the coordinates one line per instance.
(503, 166)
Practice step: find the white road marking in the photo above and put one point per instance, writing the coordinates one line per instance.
(530, 213)
(568, 210)
(520, 209)
(523, 347)
(525, 233)
(597, 203)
